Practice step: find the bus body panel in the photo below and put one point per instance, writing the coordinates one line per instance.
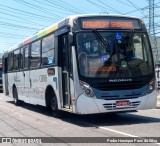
(78, 90)
(86, 105)
(34, 84)
(72, 93)
(11, 83)
(151, 100)
(20, 84)
(98, 105)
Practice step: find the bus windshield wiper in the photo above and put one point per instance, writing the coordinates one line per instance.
(101, 40)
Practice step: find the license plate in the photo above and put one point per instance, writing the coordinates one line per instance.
(122, 103)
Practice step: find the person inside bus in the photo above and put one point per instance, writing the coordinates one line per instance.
(88, 45)
(130, 53)
(94, 48)
(83, 52)
(81, 47)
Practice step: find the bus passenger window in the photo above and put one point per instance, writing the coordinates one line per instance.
(16, 59)
(35, 54)
(10, 62)
(21, 58)
(26, 53)
(48, 50)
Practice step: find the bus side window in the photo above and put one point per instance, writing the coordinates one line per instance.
(35, 54)
(10, 62)
(21, 58)
(16, 59)
(26, 59)
(48, 50)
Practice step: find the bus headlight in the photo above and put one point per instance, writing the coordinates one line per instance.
(87, 89)
(151, 86)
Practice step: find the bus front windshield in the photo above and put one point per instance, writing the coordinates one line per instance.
(113, 54)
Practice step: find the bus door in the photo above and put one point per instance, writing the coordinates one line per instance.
(5, 75)
(64, 63)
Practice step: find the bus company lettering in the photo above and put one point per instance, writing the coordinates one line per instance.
(120, 80)
(102, 69)
(43, 78)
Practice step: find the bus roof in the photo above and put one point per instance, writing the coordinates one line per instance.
(66, 21)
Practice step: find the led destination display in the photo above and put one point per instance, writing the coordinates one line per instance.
(110, 24)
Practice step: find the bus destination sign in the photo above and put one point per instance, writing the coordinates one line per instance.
(110, 24)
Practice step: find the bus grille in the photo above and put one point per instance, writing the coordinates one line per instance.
(112, 106)
(125, 96)
(119, 86)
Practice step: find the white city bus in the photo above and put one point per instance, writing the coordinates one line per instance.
(84, 64)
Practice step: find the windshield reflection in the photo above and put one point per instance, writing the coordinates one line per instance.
(113, 54)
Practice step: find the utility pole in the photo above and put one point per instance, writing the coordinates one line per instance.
(152, 31)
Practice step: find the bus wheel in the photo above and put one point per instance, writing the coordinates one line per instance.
(15, 97)
(54, 107)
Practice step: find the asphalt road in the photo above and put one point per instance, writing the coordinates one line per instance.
(35, 121)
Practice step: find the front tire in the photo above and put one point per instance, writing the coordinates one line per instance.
(54, 107)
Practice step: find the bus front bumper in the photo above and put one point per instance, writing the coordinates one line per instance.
(87, 105)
